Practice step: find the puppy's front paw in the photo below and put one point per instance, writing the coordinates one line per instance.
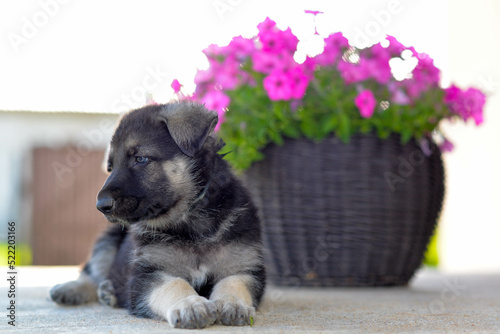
(106, 293)
(192, 312)
(234, 312)
(73, 293)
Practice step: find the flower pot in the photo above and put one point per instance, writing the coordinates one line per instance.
(356, 214)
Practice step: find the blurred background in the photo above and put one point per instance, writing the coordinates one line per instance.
(69, 68)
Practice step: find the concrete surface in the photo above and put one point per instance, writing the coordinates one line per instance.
(432, 303)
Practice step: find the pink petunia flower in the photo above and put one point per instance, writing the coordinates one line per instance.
(467, 104)
(352, 73)
(241, 47)
(334, 47)
(395, 48)
(474, 101)
(309, 66)
(176, 86)
(266, 25)
(446, 146)
(426, 72)
(227, 74)
(203, 76)
(275, 40)
(278, 86)
(213, 50)
(216, 100)
(299, 81)
(366, 103)
(378, 64)
(290, 41)
(266, 62)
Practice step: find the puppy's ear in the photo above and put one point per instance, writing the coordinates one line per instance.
(189, 124)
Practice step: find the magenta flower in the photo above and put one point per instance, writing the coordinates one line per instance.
(377, 69)
(266, 62)
(425, 72)
(278, 41)
(266, 25)
(425, 76)
(286, 85)
(377, 63)
(176, 86)
(474, 101)
(278, 86)
(299, 82)
(309, 66)
(213, 50)
(227, 74)
(366, 103)
(452, 94)
(446, 146)
(395, 48)
(241, 47)
(203, 76)
(467, 104)
(352, 73)
(216, 100)
(335, 44)
(290, 41)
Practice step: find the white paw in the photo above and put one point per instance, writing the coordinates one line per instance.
(192, 312)
(106, 293)
(234, 312)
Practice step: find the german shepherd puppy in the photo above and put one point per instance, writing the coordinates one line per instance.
(185, 244)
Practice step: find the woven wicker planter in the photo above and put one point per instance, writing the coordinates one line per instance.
(357, 214)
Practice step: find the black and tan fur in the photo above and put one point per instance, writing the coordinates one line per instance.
(185, 245)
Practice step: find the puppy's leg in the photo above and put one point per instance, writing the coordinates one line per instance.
(234, 300)
(174, 300)
(84, 289)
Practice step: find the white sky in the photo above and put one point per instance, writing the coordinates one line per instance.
(97, 55)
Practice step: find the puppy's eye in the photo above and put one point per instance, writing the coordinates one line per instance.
(109, 167)
(141, 160)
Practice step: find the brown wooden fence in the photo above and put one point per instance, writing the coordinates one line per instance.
(65, 222)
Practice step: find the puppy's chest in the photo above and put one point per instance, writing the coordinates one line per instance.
(196, 264)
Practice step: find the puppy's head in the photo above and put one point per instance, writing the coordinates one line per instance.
(151, 159)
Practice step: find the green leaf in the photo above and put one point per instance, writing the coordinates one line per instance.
(291, 131)
(308, 128)
(406, 135)
(276, 138)
(329, 124)
(344, 131)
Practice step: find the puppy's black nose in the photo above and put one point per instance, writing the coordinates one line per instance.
(105, 205)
